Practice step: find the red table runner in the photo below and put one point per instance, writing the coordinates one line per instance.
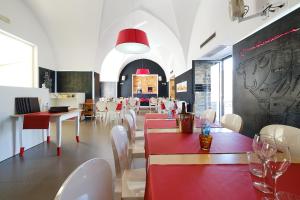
(39, 120)
(213, 182)
(166, 143)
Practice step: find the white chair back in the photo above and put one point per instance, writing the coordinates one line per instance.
(101, 106)
(232, 121)
(286, 134)
(132, 113)
(132, 102)
(129, 123)
(91, 180)
(169, 105)
(111, 106)
(209, 115)
(120, 144)
(153, 101)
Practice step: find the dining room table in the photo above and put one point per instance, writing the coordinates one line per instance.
(177, 167)
(209, 176)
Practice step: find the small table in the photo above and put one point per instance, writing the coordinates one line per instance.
(57, 118)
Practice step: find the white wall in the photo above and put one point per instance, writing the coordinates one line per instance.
(9, 141)
(213, 16)
(26, 26)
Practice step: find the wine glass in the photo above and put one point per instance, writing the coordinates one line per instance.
(278, 164)
(264, 147)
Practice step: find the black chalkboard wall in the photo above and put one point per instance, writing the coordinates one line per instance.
(266, 78)
(189, 95)
(125, 87)
(74, 81)
(97, 85)
(47, 77)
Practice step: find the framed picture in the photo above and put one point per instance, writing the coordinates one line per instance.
(181, 87)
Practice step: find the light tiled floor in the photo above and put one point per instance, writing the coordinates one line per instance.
(40, 173)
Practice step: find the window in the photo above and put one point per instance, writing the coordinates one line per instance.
(16, 62)
(215, 89)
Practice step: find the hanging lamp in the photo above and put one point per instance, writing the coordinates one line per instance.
(142, 71)
(132, 41)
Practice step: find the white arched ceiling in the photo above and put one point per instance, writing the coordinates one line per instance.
(166, 50)
(213, 16)
(77, 28)
(73, 27)
(177, 15)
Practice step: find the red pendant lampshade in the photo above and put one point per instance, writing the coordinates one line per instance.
(133, 41)
(142, 71)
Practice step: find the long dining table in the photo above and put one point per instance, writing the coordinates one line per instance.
(178, 169)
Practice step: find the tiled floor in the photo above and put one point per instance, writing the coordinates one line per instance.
(40, 173)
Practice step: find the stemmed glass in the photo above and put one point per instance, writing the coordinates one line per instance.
(265, 148)
(278, 164)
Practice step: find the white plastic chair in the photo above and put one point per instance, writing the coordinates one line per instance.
(232, 121)
(153, 104)
(209, 115)
(286, 134)
(136, 148)
(91, 180)
(132, 180)
(132, 104)
(139, 134)
(101, 110)
(112, 114)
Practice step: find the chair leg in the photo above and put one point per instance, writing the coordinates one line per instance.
(48, 134)
(22, 149)
(58, 151)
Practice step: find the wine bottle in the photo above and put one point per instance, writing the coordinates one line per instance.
(183, 110)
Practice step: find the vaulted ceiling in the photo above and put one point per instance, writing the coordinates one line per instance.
(83, 32)
(89, 29)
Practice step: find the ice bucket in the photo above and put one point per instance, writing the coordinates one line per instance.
(186, 122)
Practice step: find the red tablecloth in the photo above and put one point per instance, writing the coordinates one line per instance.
(210, 182)
(176, 143)
(156, 116)
(163, 123)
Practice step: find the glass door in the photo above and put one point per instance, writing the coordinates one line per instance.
(207, 87)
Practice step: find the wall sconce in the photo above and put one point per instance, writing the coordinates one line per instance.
(159, 78)
(123, 78)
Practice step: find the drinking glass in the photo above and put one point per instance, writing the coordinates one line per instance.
(278, 164)
(264, 147)
(255, 164)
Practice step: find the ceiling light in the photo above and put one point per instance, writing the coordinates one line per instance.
(142, 71)
(132, 41)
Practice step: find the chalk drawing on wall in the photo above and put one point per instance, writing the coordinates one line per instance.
(273, 78)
